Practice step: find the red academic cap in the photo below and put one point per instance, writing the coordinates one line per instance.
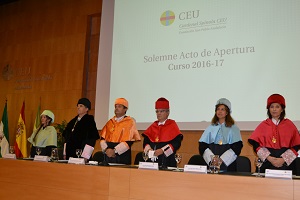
(162, 103)
(276, 98)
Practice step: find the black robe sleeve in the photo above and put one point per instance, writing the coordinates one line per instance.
(91, 133)
(202, 147)
(254, 144)
(236, 147)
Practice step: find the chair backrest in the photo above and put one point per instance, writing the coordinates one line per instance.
(297, 168)
(197, 160)
(98, 156)
(243, 164)
(138, 158)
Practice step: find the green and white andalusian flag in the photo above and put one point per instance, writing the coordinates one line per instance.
(4, 135)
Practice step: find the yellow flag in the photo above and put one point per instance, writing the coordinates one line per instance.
(37, 120)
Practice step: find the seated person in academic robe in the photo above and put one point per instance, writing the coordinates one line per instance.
(222, 137)
(118, 135)
(163, 136)
(81, 132)
(45, 136)
(276, 140)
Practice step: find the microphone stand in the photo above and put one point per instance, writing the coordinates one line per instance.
(163, 163)
(104, 162)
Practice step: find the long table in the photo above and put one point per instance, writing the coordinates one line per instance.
(20, 179)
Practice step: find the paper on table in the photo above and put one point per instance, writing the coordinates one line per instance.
(28, 158)
(87, 151)
(115, 164)
(91, 162)
(255, 174)
(173, 168)
(62, 161)
(150, 154)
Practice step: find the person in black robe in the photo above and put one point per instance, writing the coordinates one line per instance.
(80, 131)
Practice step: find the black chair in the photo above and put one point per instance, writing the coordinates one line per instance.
(243, 164)
(297, 170)
(197, 160)
(98, 156)
(138, 158)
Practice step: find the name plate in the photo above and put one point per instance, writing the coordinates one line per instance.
(273, 173)
(41, 158)
(148, 165)
(195, 169)
(78, 161)
(10, 156)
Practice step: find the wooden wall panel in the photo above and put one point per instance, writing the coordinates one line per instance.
(19, 180)
(118, 176)
(169, 185)
(48, 37)
(296, 189)
(47, 180)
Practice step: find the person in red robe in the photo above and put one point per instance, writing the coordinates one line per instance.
(163, 136)
(276, 140)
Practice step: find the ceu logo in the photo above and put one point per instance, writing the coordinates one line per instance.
(167, 18)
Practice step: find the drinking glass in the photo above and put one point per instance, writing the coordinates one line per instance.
(145, 156)
(258, 163)
(215, 164)
(78, 152)
(38, 150)
(11, 149)
(178, 158)
(54, 154)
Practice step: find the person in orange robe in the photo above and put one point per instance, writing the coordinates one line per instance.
(118, 135)
(276, 140)
(163, 136)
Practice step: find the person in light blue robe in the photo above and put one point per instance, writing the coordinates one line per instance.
(222, 137)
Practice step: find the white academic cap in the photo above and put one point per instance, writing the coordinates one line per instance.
(225, 102)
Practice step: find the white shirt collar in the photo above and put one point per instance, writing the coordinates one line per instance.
(119, 118)
(162, 123)
(275, 121)
(221, 124)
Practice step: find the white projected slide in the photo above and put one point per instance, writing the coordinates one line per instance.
(194, 52)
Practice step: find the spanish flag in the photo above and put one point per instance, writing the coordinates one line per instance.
(21, 140)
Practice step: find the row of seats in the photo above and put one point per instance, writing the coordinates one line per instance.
(243, 163)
